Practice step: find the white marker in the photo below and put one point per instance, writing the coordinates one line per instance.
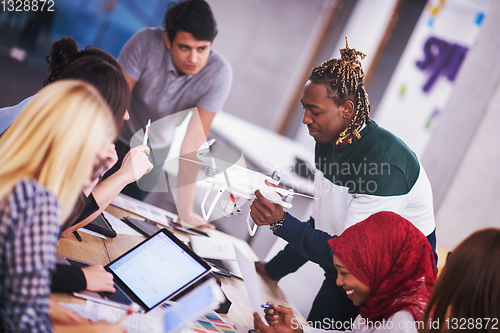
(146, 134)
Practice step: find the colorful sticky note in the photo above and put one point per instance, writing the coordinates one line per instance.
(213, 317)
(155, 212)
(206, 325)
(130, 207)
(225, 329)
(199, 331)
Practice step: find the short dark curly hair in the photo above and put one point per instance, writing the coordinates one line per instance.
(193, 16)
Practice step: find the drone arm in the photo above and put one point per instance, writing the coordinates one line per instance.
(311, 243)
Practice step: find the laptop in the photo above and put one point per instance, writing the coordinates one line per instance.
(156, 270)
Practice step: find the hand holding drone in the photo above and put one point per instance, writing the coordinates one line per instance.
(239, 182)
(264, 212)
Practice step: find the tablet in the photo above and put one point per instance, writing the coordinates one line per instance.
(154, 271)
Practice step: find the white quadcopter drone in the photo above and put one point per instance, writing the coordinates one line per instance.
(240, 183)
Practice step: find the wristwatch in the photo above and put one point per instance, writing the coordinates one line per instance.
(277, 225)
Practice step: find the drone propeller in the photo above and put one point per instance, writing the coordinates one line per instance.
(273, 170)
(291, 192)
(304, 195)
(270, 166)
(205, 148)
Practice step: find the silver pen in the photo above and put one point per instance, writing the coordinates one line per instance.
(146, 133)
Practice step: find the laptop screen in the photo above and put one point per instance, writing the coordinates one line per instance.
(157, 268)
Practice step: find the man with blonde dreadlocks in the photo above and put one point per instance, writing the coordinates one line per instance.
(361, 169)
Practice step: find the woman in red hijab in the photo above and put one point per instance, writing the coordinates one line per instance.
(386, 267)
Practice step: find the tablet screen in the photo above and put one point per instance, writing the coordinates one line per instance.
(157, 269)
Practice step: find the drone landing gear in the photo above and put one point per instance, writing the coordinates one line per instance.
(206, 215)
(251, 230)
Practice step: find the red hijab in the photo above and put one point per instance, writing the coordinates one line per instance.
(392, 257)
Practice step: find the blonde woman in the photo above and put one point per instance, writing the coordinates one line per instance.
(48, 156)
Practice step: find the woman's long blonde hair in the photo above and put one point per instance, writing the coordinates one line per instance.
(55, 140)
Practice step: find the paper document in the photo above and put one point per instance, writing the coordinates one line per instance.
(249, 273)
(119, 226)
(233, 268)
(90, 232)
(135, 323)
(211, 248)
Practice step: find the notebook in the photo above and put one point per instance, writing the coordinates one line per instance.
(154, 271)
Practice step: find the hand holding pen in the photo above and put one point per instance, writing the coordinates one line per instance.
(136, 163)
(277, 315)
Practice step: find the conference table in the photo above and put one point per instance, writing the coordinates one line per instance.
(101, 251)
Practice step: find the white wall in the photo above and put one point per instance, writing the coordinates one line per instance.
(471, 202)
(463, 155)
